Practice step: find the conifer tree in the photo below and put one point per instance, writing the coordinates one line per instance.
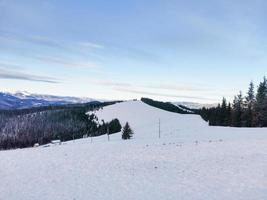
(223, 115)
(237, 110)
(229, 111)
(260, 106)
(127, 132)
(248, 111)
(251, 94)
(249, 105)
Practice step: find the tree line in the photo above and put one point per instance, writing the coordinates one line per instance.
(167, 106)
(248, 110)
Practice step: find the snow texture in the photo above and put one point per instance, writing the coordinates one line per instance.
(191, 161)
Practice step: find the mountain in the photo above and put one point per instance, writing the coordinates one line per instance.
(20, 100)
(193, 105)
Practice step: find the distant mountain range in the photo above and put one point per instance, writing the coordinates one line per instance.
(194, 105)
(20, 100)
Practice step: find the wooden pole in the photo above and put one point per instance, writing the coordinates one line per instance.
(108, 131)
(159, 129)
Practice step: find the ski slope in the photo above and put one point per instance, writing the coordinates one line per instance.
(144, 120)
(224, 163)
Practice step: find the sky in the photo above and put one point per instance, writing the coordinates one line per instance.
(175, 50)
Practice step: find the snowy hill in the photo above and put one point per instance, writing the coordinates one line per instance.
(144, 119)
(224, 163)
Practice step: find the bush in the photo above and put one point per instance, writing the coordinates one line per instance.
(114, 126)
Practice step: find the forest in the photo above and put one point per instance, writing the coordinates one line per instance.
(23, 128)
(168, 106)
(249, 110)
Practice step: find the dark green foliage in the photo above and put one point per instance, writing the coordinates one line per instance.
(127, 132)
(249, 105)
(248, 111)
(114, 126)
(260, 117)
(237, 112)
(23, 128)
(164, 106)
(191, 111)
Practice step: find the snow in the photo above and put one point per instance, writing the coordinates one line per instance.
(186, 110)
(144, 119)
(194, 105)
(225, 163)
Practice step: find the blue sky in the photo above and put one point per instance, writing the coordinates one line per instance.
(169, 50)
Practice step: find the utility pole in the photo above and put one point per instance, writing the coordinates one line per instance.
(159, 129)
(108, 131)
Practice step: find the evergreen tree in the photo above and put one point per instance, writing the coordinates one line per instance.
(250, 98)
(237, 110)
(127, 132)
(114, 126)
(249, 105)
(261, 104)
(223, 113)
(228, 114)
(250, 111)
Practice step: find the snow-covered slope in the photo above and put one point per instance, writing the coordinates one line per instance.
(225, 163)
(145, 119)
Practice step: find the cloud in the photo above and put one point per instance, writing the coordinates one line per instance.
(162, 95)
(201, 93)
(111, 83)
(67, 63)
(171, 87)
(91, 45)
(14, 74)
(83, 51)
(39, 40)
(177, 87)
(9, 66)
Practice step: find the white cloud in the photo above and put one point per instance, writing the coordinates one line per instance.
(14, 75)
(68, 63)
(91, 45)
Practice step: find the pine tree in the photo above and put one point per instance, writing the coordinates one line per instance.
(237, 110)
(251, 94)
(228, 114)
(261, 104)
(127, 132)
(250, 111)
(249, 105)
(223, 113)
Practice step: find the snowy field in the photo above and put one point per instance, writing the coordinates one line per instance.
(190, 161)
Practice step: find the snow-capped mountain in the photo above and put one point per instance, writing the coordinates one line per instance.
(20, 100)
(68, 99)
(193, 105)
